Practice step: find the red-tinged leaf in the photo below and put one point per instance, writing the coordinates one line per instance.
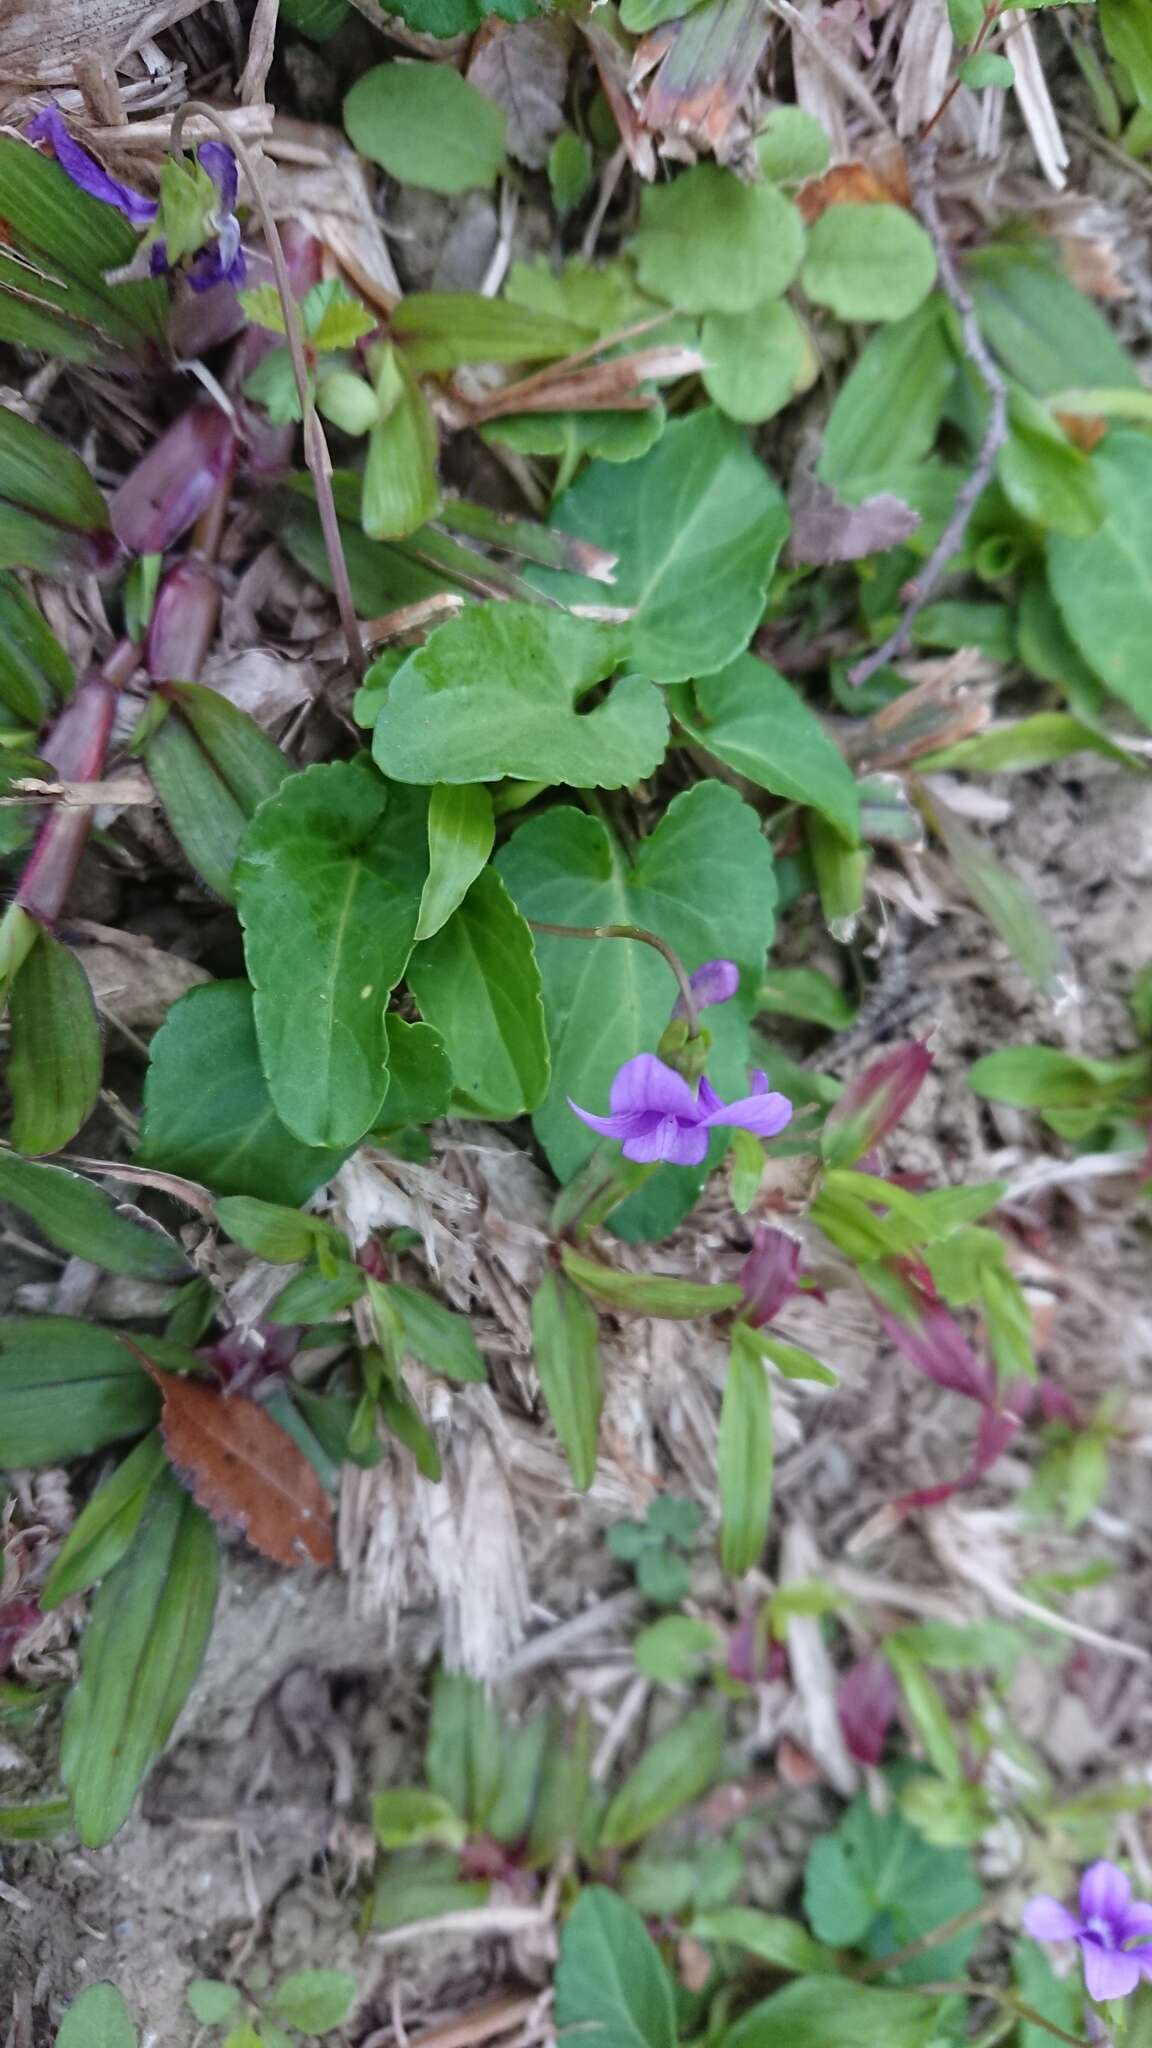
(918, 1324)
(243, 1468)
(869, 1699)
(873, 1104)
(998, 1426)
(755, 1656)
(769, 1275)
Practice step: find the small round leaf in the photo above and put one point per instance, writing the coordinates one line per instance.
(426, 125)
(710, 244)
(868, 262)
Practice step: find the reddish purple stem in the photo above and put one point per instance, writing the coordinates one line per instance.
(77, 749)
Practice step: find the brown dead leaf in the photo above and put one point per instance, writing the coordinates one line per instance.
(244, 1469)
(132, 980)
(523, 67)
(703, 69)
(854, 184)
(827, 529)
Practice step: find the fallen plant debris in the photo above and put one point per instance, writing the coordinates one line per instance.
(532, 547)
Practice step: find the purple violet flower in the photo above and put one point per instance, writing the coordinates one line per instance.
(1109, 1920)
(81, 166)
(716, 982)
(220, 260)
(656, 1114)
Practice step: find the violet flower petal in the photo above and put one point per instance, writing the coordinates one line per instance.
(1045, 1919)
(1136, 1928)
(81, 166)
(679, 1144)
(1105, 1894)
(716, 982)
(220, 163)
(628, 1123)
(1108, 1972)
(646, 1083)
(763, 1115)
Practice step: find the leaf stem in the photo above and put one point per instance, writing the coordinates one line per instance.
(646, 938)
(936, 1938)
(996, 1994)
(316, 453)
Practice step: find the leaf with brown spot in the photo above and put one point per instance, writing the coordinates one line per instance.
(244, 1469)
(1085, 430)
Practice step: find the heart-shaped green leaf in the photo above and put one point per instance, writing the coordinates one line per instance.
(496, 692)
(697, 524)
(328, 886)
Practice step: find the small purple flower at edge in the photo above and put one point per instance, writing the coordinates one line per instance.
(716, 982)
(657, 1115)
(220, 260)
(1109, 1920)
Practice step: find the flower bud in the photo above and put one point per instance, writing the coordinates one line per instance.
(769, 1275)
(174, 483)
(868, 1701)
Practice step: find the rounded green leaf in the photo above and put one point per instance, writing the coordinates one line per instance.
(868, 262)
(757, 361)
(314, 2001)
(697, 526)
(426, 125)
(756, 722)
(792, 145)
(99, 2018)
(211, 2000)
(497, 691)
(708, 243)
(207, 1111)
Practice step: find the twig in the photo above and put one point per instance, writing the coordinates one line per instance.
(316, 453)
(995, 430)
(481, 2024)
